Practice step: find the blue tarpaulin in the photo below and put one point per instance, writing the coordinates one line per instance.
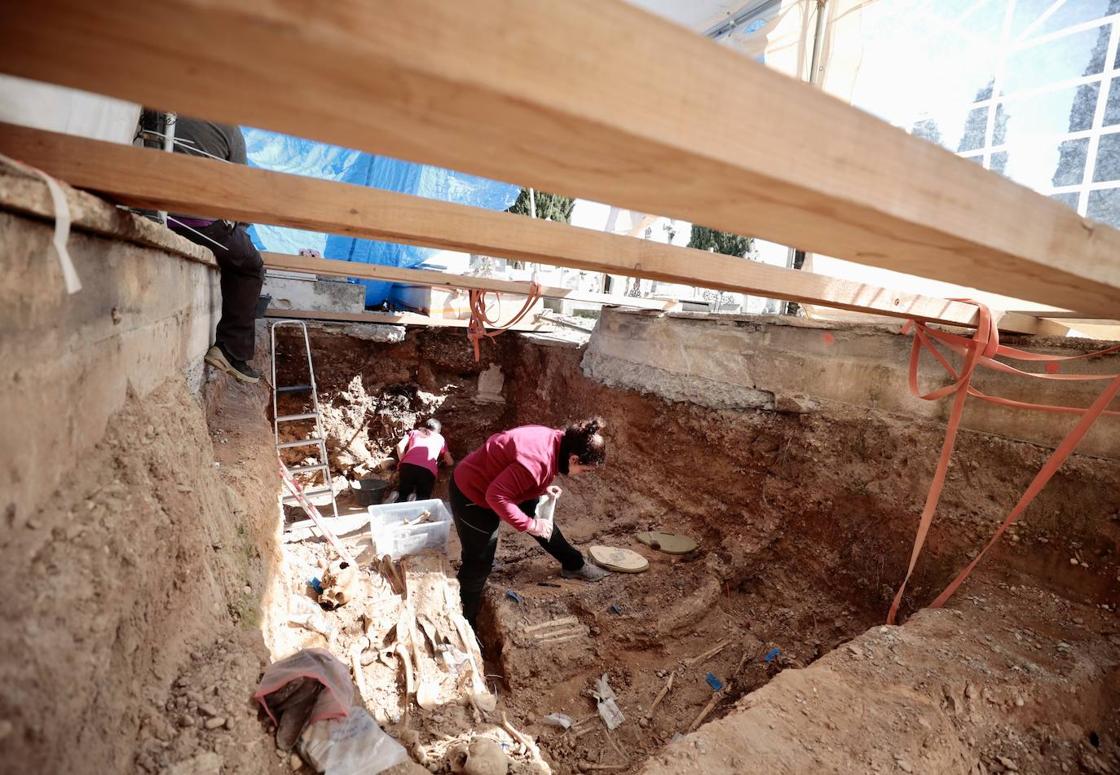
(282, 153)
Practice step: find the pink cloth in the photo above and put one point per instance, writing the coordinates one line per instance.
(510, 468)
(424, 449)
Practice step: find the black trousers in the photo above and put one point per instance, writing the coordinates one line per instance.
(415, 479)
(242, 270)
(477, 527)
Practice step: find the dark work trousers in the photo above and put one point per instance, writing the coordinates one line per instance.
(415, 479)
(477, 527)
(242, 271)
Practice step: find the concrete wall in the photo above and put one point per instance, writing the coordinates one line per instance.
(67, 362)
(787, 364)
(310, 293)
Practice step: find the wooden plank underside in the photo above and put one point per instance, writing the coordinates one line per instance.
(207, 188)
(644, 115)
(427, 277)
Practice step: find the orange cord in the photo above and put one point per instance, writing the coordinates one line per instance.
(981, 350)
(476, 328)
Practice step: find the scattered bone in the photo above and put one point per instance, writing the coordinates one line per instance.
(707, 654)
(359, 674)
(709, 707)
(520, 737)
(562, 622)
(591, 767)
(660, 696)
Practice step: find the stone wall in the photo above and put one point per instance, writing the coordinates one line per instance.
(67, 362)
(788, 364)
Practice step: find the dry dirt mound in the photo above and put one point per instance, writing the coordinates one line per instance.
(146, 556)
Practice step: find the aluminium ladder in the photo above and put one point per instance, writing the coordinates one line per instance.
(319, 440)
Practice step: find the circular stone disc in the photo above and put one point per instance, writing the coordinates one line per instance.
(668, 542)
(617, 559)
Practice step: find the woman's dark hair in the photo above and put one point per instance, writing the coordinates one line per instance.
(584, 440)
(433, 425)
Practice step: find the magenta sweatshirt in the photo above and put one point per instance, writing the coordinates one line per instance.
(510, 468)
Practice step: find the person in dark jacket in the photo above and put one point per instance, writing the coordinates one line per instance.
(240, 263)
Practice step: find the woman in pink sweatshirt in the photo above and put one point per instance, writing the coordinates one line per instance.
(502, 481)
(419, 453)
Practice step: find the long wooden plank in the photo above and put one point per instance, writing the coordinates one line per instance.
(634, 111)
(174, 182)
(394, 274)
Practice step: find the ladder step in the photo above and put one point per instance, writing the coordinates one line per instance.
(292, 388)
(294, 417)
(309, 493)
(305, 469)
(300, 443)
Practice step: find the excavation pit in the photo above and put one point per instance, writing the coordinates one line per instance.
(796, 566)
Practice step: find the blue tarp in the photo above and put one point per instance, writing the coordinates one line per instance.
(304, 157)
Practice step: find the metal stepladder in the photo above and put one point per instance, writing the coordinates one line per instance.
(319, 440)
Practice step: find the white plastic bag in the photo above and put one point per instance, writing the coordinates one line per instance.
(354, 745)
(546, 508)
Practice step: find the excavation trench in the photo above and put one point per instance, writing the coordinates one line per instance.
(149, 587)
(804, 520)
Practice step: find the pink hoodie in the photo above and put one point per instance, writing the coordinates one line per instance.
(510, 468)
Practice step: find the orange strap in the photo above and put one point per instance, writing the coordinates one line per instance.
(981, 350)
(476, 328)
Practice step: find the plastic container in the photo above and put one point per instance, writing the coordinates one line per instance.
(392, 536)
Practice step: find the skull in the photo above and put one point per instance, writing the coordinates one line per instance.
(482, 757)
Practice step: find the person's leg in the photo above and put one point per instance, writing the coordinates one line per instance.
(242, 276)
(478, 535)
(571, 559)
(425, 482)
(408, 482)
(242, 272)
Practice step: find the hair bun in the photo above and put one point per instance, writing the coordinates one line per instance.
(594, 425)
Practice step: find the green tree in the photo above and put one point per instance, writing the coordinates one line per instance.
(553, 207)
(704, 238)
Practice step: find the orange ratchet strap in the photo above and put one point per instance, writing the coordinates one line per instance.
(981, 350)
(476, 328)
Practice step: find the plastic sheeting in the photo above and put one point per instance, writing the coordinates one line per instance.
(305, 157)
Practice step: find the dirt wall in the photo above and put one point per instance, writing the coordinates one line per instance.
(839, 488)
(154, 548)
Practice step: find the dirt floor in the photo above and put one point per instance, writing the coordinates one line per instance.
(160, 580)
(805, 521)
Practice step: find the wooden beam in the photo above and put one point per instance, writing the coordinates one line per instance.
(427, 277)
(174, 182)
(714, 137)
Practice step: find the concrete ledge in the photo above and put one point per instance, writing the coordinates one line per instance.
(791, 365)
(26, 195)
(309, 293)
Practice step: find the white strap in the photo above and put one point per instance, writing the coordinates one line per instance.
(61, 223)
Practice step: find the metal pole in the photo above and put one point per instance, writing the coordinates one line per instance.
(169, 146)
(796, 257)
(818, 40)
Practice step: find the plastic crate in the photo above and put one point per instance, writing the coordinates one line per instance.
(393, 537)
